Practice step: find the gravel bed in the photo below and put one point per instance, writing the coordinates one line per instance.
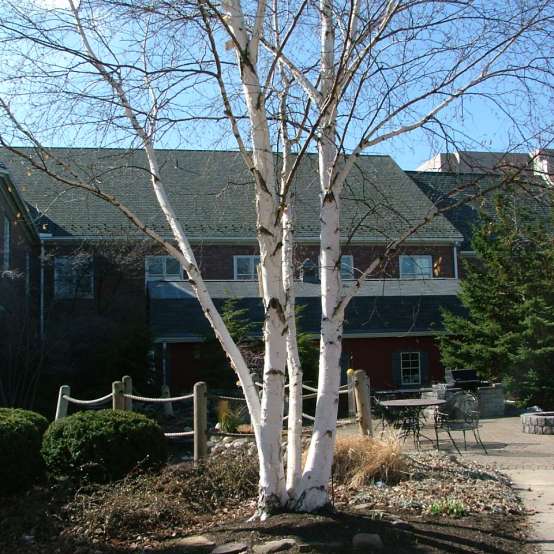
(434, 478)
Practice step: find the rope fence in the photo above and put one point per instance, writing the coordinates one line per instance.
(122, 398)
(159, 400)
(93, 402)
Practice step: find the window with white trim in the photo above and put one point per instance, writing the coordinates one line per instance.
(416, 267)
(347, 267)
(410, 368)
(73, 277)
(162, 268)
(6, 244)
(245, 268)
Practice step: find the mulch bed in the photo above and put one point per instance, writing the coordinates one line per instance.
(150, 512)
(476, 533)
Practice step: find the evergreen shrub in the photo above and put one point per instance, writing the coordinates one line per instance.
(20, 441)
(103, 445)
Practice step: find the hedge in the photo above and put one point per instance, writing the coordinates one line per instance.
(102, 445)
(20, 442)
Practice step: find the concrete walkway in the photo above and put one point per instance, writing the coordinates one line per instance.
(536, 488)
(529, 462)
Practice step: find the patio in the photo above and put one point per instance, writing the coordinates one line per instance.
(507, 445)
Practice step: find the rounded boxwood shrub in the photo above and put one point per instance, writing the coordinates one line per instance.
(20, 441)
(102, 445)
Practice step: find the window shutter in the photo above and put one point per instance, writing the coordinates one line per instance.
(396, 374)
(424, 361)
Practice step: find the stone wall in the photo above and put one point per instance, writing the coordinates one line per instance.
(491, 401)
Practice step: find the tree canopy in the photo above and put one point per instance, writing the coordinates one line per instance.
(508, 291)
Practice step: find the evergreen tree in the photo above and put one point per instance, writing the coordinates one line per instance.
(508, 292)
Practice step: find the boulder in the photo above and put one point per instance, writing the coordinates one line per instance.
(274, 546)
(364, 541)
(230, 548)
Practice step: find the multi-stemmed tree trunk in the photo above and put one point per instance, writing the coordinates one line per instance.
(377, 71)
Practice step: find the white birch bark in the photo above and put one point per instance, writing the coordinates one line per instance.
(313, 493)
(272, 492)
(294, 435)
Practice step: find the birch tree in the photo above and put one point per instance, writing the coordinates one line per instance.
(286, 79)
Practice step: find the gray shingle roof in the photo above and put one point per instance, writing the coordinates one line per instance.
(533, 196)
(212, 193)
(179, 316)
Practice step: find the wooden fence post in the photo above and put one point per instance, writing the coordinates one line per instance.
(254, 378)
(118, 400)
(127, 381)
(200, 421)
(363, 402)
(350, 388)
(61, 408)
(168, 406)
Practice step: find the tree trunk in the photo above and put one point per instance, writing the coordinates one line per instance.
(272, 492)
(294, 436)
(317, 471)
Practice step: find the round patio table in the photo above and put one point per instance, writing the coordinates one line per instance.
(419, 403)
(409, 414)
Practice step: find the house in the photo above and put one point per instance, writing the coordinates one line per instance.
(19, 253)
(98, 269)
(19, 250)
(539, 163)
(466, 184)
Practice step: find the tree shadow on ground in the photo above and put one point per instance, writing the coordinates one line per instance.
(334, 532)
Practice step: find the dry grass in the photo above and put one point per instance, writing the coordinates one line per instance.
(362, 460)
(160, 504)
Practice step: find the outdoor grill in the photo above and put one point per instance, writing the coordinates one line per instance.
(466, 379)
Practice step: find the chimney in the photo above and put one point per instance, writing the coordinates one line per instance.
(543, 165)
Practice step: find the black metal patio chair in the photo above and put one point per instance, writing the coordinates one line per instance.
(460, 413)
(406, 420)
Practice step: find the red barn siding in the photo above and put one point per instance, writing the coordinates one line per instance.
(182, 366)
(375, 356)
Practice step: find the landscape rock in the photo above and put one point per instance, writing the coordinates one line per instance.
(274, 546)
(367, 540)
(333, 546)
(401, 524)
(362, 507)
(193, 543)
(230, 548)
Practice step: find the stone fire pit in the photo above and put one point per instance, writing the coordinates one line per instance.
(538, 423)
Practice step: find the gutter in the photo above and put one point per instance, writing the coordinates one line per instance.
(345, 336)
(254, 240)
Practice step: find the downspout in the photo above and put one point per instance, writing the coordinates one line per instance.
(456, 276)
(164, 363)
(41, 305)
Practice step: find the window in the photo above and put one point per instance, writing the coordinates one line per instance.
(6, 245)
(245, 267)
(347, 267)
(416, 267)
(73, 277)
(410, 368)
(162, 268)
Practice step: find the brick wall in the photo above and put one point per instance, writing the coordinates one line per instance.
(19, 284)
(216, 261)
